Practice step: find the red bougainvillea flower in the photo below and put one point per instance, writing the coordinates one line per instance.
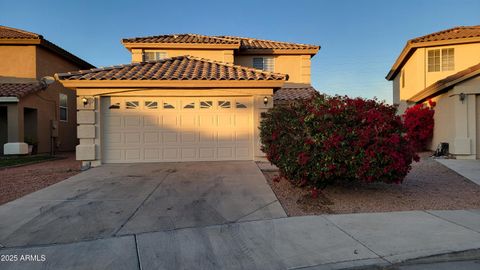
(303, 158)
(320, 141)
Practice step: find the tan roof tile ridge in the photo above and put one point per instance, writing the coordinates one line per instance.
(266, 40)
(178, 35)
(439, 33)
(189, 57)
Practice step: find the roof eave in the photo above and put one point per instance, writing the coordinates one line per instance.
(20, 41)
(410, 47)
(172, 83)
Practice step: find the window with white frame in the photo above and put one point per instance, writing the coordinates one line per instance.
(153, 55)
(441, 60)
(263, 63)
(63, 106)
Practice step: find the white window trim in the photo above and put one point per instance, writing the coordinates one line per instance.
(442, 67)
(263, 62)
(154, 51)
(60, 107)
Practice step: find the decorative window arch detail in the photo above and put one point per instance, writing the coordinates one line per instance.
(225, 104)
(206, 104)
(151, 104)
(190, 105)
(167, 105)
(240, 105)
(131, 105)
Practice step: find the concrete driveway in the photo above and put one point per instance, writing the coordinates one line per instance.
(116, 200)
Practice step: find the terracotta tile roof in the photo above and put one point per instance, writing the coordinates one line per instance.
(255, 43)
(19, 89)
(452, 33)
(456, 35)
(180, 38)
(175, 68)
(444, 84)
(13, 33)
(242, 42)
(289, 93)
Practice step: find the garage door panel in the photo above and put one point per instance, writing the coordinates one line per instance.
(151, 138)
(153, 154)
(132, 121)
(114, 155)
(188, 121)
(113, 138)
(206, 153)
(178, 129)
(133, 138)
(243, 152)
(226, 136)
(188, 137)
(207, 121)
(170, 137)
(170, 154)
(225, 121)
(206, 136)
(151, 121)
(225, 153)
(170, 121)
(113, 121)
(132, 154)
(188, 153)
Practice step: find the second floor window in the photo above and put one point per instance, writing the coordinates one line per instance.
(441, 60)
(153, 56)
(263, 63)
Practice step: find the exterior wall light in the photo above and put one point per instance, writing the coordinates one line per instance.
(84, 101)
(265, 100)
(462, 97)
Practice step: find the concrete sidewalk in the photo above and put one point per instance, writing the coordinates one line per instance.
(311, 242)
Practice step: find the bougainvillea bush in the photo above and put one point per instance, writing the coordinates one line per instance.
(419, 124)
(324, 140)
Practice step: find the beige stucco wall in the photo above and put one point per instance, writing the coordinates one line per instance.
(298, 67)
(17, 62)
(30, 63)
(225, 56)
(456, 122)
(417, 76)
(48, 64)
(90, 117)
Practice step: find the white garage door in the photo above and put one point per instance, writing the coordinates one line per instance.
(142, 129)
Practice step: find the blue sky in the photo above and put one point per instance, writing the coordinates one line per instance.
(360, 40)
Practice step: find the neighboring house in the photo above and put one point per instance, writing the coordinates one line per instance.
(31, 110)
(186, 97)
(444, 67)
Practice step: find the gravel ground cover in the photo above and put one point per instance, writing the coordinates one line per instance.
(428, 186)
(19, 181)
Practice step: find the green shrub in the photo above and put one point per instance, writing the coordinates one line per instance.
(324, 140)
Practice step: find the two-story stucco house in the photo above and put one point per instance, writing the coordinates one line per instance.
(30, 110)
(186, 97)
(444, 67)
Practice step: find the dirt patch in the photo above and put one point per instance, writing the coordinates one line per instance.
(19, 181)
(428, 186)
